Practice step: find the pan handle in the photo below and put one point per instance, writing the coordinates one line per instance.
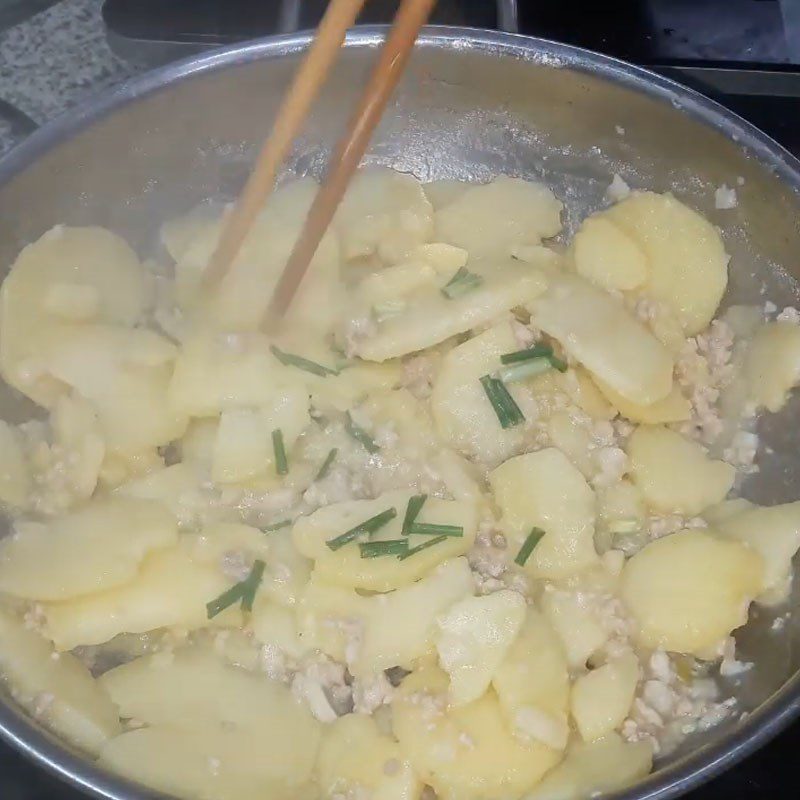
(508, 16)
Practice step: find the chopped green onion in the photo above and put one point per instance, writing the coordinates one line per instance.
(389, 308)
(276, 526)
(462, 282)
(360, 435)
(389, 547)
(506, 408)
(244, 592)
(412, 511)
(369, 526)
(537, 351)
(326, 464)
(534, 537)
(424, 546)
(628, 525)
(281, 463)
(431, 529)
(292, 360)
(525, 369)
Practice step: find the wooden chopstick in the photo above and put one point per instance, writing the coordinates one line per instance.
(293, 111)
(411, 16)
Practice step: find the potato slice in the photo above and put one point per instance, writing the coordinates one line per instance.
(175, 487)
(532, 684)
(600, 767)
(598, 331)
(544, 490)
(473, 638)
(463, 414)
(243, 447)
(16, 480)
(601, 699)
(384, 212)
(675, 474)
(355, 757)
(687, 258)
(401, 626)
(605, 255)
(444, 191)
(488, 220)
(774, 533)
(772, 364)
(98, 547)
(432, 317)
(464, 753)
(59, 691)
(688, 591)
(276, 626)
(91, 259)
(352, 385)
(345, 567)
(577, 623)
(672, 408)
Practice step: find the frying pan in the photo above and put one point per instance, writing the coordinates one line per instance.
(473, 104)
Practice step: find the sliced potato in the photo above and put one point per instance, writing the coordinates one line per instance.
(544, 490)
(98, 547)
(277, 626)
(607, 256)
(473, 638)
(772, 364)
(577, 622)
(16, 480)
(431, 317)
(600, 767)
(463, 414)
(686, 255)
(688, 591)
(442, 192)
(598, 331)
(532, 684)
(345, 567)
(174, 487)
(84, 258)
(352, 385)
(672, 408)
(601, 699)
(355, 757)
(674, 474)
(488, 220)
(464, 753)
(59, 691)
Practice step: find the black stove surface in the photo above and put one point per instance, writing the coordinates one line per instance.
(744, 53)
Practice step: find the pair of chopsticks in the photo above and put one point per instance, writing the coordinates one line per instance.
(305, 87)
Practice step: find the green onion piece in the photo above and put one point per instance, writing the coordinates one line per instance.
(292, 360)
(462, 282)
(244, 592)
(505, 407)
(534, 537)
(326, 464)
(558, 364)
(413, 508)
(537, 351)
(424, 546)
(368, 526)
(627, 525)
(281, 463)
(431, 529)
(276, 526)
(389, 547)
(525, 369)
(360, 435)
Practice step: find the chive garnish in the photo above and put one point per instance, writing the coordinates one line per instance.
(292, 360)
(276, 526)
(326, 464)
(389, 547)
(360, 435)
(534, 537)
(505, 407)
(462, 282)
(368, 526)
(525, 369)
(432, 529)
(424, 546)
(540, 350)
(412, 511)
(281, 462)
(243, 592)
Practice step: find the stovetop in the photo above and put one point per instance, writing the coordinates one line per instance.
(744, 53)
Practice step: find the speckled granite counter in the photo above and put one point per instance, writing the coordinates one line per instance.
(54, 60)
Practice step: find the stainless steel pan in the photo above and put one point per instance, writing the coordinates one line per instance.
(472, 105)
